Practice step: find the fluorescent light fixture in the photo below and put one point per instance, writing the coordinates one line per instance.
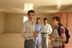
(28, 6)
(58, 4)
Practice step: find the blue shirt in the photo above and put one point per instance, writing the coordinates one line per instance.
(38, 28)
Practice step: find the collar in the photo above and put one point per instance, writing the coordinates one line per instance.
(37, 24)
(46, 24)
(56, 27)
(30, 21)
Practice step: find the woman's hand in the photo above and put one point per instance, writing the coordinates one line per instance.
(52, 38)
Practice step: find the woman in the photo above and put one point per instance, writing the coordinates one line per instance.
(57, 40)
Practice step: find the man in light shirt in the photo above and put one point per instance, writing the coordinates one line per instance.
(28, 31)
(47, 30)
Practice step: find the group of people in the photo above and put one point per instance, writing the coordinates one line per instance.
(32, 32)
(45, 30)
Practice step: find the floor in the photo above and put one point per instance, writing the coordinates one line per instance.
(14, 40)
(11, 40)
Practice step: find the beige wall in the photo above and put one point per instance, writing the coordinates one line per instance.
(15, 21)
(2, 22)
(48, 16)
(12, 22)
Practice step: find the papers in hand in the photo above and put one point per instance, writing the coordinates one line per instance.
(44, 32)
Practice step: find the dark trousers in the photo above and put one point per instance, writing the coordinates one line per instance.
(29, 44)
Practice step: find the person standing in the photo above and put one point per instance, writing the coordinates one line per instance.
(28, 31)
(58, 36)
(38, 30)
(47, 30)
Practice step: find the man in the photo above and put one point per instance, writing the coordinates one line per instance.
(28, 31)
(47, 30)
(38, 29)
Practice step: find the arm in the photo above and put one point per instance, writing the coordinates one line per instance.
(63, 36)
(41, 29)
(24, 33)
(50, 29)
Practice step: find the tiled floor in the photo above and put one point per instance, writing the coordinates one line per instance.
(14, 40)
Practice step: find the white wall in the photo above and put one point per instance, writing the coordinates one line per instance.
(2, 22)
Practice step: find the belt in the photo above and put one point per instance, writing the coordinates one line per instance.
(29, 40)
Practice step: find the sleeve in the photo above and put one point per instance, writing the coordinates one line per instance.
(41, 29)
(24, 32)
(62, 30)
(35, 27)
(50, 29)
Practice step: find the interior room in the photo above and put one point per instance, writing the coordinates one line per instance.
(13, 13)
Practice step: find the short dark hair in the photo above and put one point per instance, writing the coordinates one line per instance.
(38, 18)
(31, 11)
(57, 19)
(45, 19)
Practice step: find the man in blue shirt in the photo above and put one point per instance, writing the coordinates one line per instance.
(38, 29)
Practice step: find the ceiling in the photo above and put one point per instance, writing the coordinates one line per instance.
(40, 6)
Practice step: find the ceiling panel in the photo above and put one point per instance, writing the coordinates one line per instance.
(17, 6)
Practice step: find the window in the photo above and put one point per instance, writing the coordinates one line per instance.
(25, 18)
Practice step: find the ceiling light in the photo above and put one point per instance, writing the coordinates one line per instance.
(28, 6)
(58, 4)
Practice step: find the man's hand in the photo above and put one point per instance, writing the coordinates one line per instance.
(39, 32)
(35, 34)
